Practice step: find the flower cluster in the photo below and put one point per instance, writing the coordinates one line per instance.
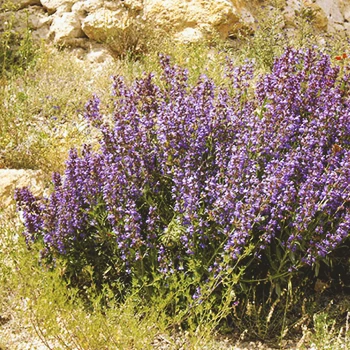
(208, 171)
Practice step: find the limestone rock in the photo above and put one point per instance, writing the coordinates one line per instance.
(57, 5)
(123, 24)
(26, 3)
(37, 18)
(33, 17)
(10, 179)
(319, 17)
(207, 15)
(38, 21)
(307, 9)
(117, 28)
(87, 6)
(99, 54)
(66, 27)
(345, 9)
(189, 35)
(332, 11)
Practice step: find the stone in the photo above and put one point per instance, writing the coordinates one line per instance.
(87, 6)
(38, 21)
(116, 28)
(10, 179)
(25, 3)
(332, 12)
(123, 24)
(209, 16)
(344, 6)
(320, 18)
(189, 35)
(33, 17)
(99, 54)
(37, 18)
(52, 6)
(65, 27)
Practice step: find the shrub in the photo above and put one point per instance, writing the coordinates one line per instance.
(17, 49)
(232, 191)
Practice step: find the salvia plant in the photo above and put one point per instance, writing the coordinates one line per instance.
(247, 182)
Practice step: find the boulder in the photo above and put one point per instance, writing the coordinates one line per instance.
(38, 21)
(52, 6)
(33, 17)
(332, 11)
(65, 27)
(309, 10)
(90, 6)
(26, 3)
(209, 16)
(344, 6)
(189, 35)
(117, 28)
(126, 24)
(319, 17)
(10, 179)
(87, 6)
(99, 54)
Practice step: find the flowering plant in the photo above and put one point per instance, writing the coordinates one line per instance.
(250, 181)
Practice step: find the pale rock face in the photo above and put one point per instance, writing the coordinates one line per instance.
(332, 10)
(175, 15)
(65, 27)
(35, 17)
(345, 9)
(121, 23)
(10, 179)
(99, 54)
(321, 19)
(39, 21)
(103, 23)
(25, 3)
(94, 5)
(134, 5)
(57, 5)
(87, 6)
(189, 35)
(116, 28)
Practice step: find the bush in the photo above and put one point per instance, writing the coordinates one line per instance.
(17, 49)
(238, 190)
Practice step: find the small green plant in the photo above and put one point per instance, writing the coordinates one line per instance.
(42, 110)
(268, 40)
(17, 48)
(326, 333)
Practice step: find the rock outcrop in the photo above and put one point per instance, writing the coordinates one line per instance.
(182, 17)
(123, 24)
(10, 179)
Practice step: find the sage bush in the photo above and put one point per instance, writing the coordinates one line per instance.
(225, 186)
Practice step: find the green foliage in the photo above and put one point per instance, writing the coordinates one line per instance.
(17, 49)
(42, 110)
(269, 40)
(273, 33)
(39, 299)
(326, 333)
(34, 133)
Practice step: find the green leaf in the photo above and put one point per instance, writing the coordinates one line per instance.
(317, 268)
(278, 289)
(292, 257)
